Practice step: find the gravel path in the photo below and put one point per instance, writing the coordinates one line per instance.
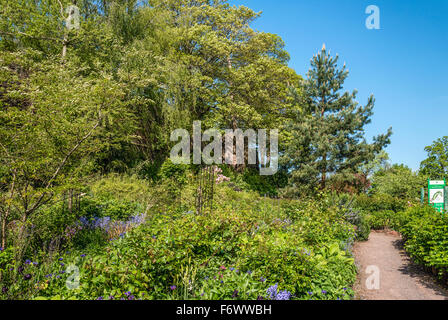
(399, 279)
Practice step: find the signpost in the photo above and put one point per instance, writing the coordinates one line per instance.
(436, 194)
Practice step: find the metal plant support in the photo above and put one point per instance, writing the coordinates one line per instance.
(205, 190)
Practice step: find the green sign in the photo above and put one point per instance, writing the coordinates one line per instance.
(436, 194)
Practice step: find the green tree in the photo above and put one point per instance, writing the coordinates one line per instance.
(436, 164)
(328, 132)
(398, 181)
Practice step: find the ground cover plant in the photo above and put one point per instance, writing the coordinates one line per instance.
(249, 247)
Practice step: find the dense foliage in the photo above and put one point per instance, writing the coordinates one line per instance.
(249, 248)
(91, 206)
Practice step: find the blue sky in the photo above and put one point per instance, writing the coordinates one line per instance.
(404, 64)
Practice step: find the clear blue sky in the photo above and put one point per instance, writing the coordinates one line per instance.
(404, 64)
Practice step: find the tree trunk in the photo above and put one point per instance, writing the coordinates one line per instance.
(5, 216)
(324, 157)
(324, 175)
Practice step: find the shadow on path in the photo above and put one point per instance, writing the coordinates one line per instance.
(418, 273)
(399, 278)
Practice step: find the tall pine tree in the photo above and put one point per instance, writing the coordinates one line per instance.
(328, 134)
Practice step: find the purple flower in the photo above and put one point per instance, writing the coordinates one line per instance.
(235, 294)
(324, 292)
(5, 290)
(173, 288)
(310, 293)
(28, 261)
(262, 279)
(60, 259)
(100, 298)
(27, 276)
(272, 291)
(283, 295)
(260, 298)
(83, 255)
(1, 248)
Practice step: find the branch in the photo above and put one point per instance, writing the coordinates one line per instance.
(62, 10)
(29, 36)
(62, 164)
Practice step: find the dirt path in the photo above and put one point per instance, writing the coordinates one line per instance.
(399, 279)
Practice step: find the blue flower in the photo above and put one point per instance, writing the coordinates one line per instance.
(28, 261)
(283, 295)
(262, 279)
(173, 288)
(60, 259)
(324, 292)
(83, 255)
(272, 291)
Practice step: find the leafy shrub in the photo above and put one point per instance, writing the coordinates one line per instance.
(281, 249)
(380, 202)
(379, 220)
(177, 172)
(426, 233)
(353, 214)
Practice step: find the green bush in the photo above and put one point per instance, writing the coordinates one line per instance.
(379, 220)
(380, 202)
(426, 233)
(246, 246)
